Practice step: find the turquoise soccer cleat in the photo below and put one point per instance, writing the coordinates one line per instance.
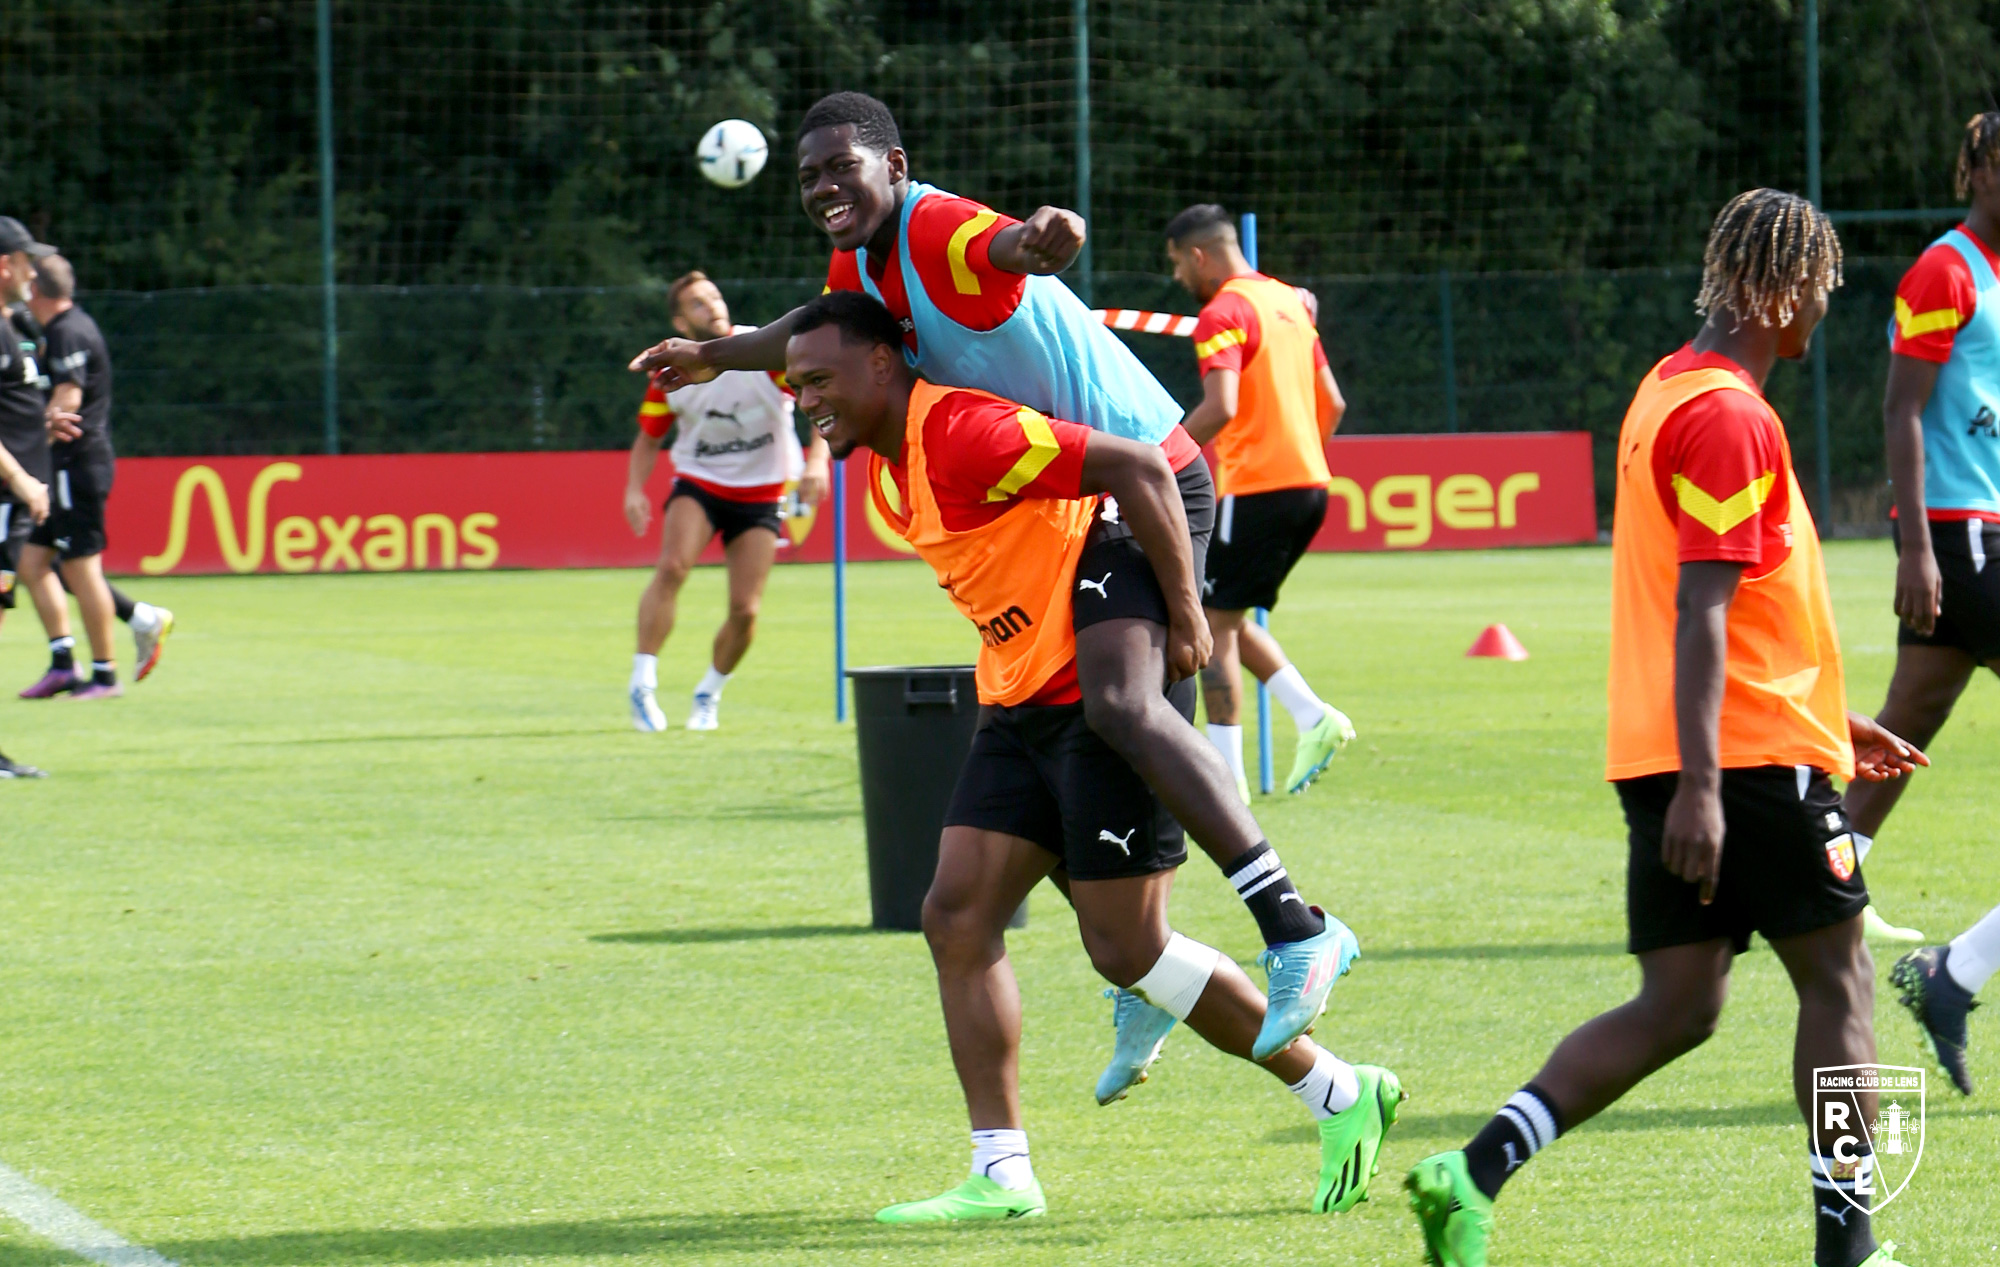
(1301, 975)
(1141, 1031)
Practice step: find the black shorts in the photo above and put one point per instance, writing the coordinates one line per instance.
(75, 526)
(1788, 861)
(1968, 559)
(1038, 772)
(1259, 539)
(15, 525)
(1114, 579)
(731, 519)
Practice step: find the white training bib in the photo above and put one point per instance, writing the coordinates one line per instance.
(736, 430)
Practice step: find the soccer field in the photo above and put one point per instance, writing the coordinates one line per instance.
(369, 932)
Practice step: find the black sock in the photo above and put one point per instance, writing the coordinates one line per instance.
(1281, 914)
(62, 654)
(103, 673)
(1526, 1124)
(1842, 1235)
(121, 602)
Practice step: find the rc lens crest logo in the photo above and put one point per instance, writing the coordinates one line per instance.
(1872, 1159)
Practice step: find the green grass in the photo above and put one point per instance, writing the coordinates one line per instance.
(368, 933)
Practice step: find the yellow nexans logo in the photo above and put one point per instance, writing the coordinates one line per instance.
(299, 544)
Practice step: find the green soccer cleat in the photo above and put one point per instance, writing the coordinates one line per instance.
(1873, 925)
(1350, 1142)
(977, 1198)
(1243, 788)
(1884, 1256)
(1457, 1218)
(1301, 975)
(1139, 1031)
(1317, 747)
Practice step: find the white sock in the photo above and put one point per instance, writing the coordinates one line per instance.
(1329, 1086)
(1975, 953)
(145, 617)
(1228, 741)
(712, 683)
(646, 671)
(1862, 844)
(1291, 690)
(1002, 1156)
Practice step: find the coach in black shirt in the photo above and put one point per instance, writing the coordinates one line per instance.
(23, 420)
(72, 537)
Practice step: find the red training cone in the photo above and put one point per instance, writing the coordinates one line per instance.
(1498, 642)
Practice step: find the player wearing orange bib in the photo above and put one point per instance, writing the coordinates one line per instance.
(1268, 402)
(1000, 500)
(1728, 721)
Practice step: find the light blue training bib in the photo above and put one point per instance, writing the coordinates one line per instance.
(1051, 354)
(1962, 418)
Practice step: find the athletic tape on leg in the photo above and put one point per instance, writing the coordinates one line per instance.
(1176, 981)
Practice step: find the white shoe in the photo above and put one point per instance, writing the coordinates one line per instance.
(702, 716)
(148, 641)
(646, 714)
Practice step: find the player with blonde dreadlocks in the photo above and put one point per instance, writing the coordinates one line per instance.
(1941, 423)
(1728, 721)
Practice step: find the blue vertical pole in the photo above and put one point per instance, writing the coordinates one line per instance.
(1266, 779)
(839, 495)
(330, 348)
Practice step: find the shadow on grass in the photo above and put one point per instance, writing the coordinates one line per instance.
(708, 936)
(1458, 1127)
(776, 1236)
(1546, 950)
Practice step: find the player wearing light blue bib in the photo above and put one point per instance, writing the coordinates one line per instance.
(1941, 417)
(979, 306)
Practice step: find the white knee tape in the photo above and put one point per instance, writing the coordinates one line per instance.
(1175, 982)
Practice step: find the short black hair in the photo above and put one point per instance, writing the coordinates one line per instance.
(861, 318)
(874, 125)
(1200, 222)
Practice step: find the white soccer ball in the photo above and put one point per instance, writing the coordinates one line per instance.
(732, 153)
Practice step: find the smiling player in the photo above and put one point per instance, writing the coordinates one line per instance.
(1040, 790)
(978, 306)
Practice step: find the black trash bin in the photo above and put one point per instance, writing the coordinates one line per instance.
(914, 728)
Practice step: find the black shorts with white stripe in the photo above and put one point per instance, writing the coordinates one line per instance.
(1968, 559)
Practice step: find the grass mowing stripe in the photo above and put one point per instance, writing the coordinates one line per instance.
(51, 1218)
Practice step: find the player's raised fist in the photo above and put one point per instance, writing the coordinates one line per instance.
(678, 362)
(1045, 242)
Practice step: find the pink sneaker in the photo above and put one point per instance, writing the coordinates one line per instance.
(53, 683)
(97, 690)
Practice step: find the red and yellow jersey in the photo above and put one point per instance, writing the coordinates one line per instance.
(949, 241)
(1700, 478)
(1934, 299)
(988, 493)
(1258, 327)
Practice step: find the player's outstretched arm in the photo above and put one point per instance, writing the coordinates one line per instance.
(1691, 845)
(1150, 503)
(687, 361)
(1919, 584)
(1879, 754)
(1046, 242)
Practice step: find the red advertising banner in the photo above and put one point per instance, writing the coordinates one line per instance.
(1459, 492)
(444, 511)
